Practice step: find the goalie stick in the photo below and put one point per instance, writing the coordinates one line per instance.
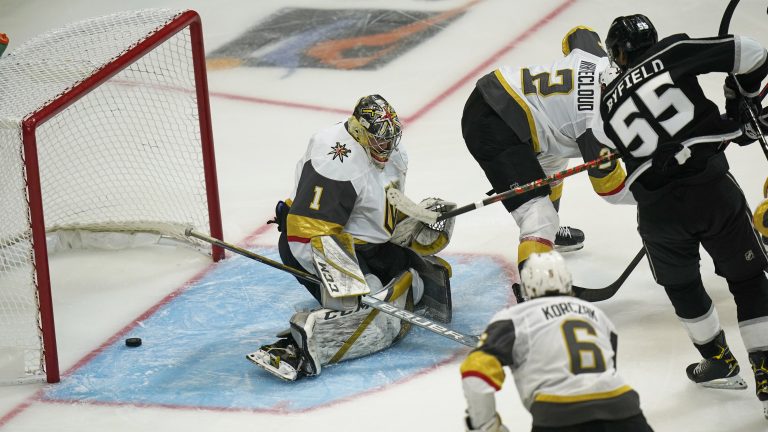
(380, 305)
(407, 206)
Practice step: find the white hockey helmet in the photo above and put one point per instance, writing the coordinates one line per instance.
(545, 274)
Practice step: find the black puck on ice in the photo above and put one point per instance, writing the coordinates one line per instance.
(133, 342)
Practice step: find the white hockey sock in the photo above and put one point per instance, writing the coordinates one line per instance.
(704, 328)
(754, 333)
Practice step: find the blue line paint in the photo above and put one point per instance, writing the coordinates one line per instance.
(194, 347)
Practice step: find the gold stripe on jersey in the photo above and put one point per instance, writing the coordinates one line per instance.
(307, 227)
(609, 183)
(583, 397)
(399, 288)
(531, 245)
(524, 106)
(485, 367)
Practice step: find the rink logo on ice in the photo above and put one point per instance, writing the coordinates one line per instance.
(343, 39)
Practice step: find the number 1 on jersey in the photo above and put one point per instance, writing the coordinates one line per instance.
(315, 204)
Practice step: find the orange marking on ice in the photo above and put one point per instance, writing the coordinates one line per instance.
(332, 52)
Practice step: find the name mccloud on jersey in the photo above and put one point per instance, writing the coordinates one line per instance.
(632, 79)
(559, 309)
(585, 91)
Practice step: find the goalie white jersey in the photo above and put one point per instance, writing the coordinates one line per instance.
(560, 99)
(562, 353)
(338, 189)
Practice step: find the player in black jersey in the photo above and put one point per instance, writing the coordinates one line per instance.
(672, 138)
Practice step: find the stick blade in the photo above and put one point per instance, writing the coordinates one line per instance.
(407, 206)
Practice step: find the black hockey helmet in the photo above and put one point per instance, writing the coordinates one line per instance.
(375, 125)
(632, 34)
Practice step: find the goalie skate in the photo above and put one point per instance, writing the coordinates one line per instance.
(281, 359)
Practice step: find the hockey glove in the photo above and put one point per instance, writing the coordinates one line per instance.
(426, 239)
(281, 214)
(740, 108)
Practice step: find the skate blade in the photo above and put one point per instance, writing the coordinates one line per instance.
(765, 409)
(285, 371)
(570, 248)
(733, 383)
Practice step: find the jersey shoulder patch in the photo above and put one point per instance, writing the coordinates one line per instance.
(336, 155)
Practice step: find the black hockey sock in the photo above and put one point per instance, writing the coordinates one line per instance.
(713, 348)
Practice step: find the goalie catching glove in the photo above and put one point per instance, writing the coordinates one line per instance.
(426, 239)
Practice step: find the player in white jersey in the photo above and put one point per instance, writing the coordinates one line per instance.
(523, 123)
(340, 192)
(562, 353)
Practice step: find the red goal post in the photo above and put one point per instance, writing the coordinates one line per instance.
(105, 126)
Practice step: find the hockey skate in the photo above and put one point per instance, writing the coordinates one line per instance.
(569, 239)
(282, 359)
(720, 371)
(759, 361)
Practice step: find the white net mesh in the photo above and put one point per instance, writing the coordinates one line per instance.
(125, 157)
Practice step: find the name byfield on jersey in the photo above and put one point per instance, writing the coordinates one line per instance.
(630, 80)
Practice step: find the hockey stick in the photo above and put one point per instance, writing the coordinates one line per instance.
(725, 22)
(380, 305)
(404, 204)
(600, 294)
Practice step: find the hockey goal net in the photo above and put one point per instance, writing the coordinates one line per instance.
(104, 127)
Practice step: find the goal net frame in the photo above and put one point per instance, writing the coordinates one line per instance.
(179, 21)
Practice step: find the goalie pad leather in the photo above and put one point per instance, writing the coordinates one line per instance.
(426, 239)
(436, 301)
(761, 218)
(328, 336)
(336, 264)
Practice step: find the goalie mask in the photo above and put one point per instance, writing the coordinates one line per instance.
(375, 125)
(545, 274)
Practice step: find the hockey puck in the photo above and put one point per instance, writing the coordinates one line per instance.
(133, 342)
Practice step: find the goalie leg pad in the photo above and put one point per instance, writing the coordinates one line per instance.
(436, 301)
(336, 264)
(328, 336)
